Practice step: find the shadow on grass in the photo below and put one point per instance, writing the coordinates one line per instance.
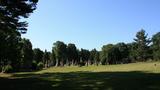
(82, 81)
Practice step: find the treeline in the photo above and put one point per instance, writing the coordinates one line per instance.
(28, 59)
(17, 54)
(142, 49)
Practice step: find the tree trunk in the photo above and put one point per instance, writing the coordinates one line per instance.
(86, 63)
(57, 62)
(62, 62)
(67, 62)
(72, 62)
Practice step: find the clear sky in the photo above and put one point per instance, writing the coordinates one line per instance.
(91, 23)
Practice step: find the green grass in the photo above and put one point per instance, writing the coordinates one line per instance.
(136, 76)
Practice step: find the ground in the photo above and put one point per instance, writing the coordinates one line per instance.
(135, 76)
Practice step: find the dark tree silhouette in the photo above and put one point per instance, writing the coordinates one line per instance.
(142, 45)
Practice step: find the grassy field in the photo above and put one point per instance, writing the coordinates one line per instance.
(136, 76)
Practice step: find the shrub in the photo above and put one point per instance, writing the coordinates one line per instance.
(34, 65)
(40, 66)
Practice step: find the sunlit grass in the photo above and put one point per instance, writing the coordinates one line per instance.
(152, 67)
(5, 75)
(148, 67)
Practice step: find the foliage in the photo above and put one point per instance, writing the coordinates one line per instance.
(27, 54)
(46, 58)
(114, 55)
(52, 58)
(104, 54)
(85, 54)
(123, 52)
(38, 55)
(72, 54)
(11, 11)
(60, 51)
(132, 51)
(40, 66)
(34, 65)
(156, 46)
(94, 57)
(142, 45)
(7, 69)
(11, 26)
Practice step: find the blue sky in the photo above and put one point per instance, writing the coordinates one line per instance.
(91, 23)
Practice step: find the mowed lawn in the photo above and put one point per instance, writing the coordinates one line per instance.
(135, 76)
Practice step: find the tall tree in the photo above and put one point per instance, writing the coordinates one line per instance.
(10, 50)
(114, 55)
(46, 58)
(156, 46)
(97, 58)
(142, 45)
(60, 51)
(104, 53)
(85, 54)
(79, 58)
(94, 56)
(132, 51)
(38, 55)
(53, 58)
(72, 54)
(124, 52)
(27, 54)
(11, 11)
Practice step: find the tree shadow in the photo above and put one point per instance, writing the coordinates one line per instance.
(83, 81)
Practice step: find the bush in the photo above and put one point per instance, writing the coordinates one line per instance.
(34, 65)
(40, 66)
(7, 69)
